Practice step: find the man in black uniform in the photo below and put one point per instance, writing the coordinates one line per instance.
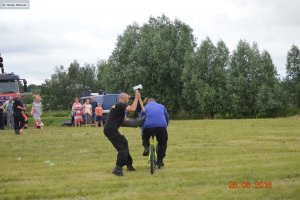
(19, 120)
(115, 118)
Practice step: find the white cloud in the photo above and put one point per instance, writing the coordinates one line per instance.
(55, 32)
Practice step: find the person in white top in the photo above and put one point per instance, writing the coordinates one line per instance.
(36, 110)
(87, 110)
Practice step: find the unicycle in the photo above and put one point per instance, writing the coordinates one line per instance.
(153, 154)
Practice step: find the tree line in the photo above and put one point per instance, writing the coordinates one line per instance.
(205, 80)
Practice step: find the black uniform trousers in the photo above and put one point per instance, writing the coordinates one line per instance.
(162, 139)
(19, 121)
(121, 145)
(1, 121)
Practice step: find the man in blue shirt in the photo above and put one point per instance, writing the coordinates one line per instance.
(156, 123)
(94, 105)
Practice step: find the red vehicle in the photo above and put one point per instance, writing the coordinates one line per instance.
(10, 84)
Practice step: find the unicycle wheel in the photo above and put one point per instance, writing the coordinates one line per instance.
(152, 160)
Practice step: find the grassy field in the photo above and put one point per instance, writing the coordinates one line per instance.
(203, 157)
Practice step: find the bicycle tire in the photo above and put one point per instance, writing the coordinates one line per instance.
(152, 159)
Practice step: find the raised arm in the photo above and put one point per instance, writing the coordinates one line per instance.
(135, 102)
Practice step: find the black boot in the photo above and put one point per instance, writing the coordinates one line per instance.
(160, 164)
(146, 151)
(118, 171)
(131, 168)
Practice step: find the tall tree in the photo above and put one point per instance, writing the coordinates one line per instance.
(196, 77)
(153, 55)
(269, 100)
(219, 79)
(243, 80)
(293, 74)
(253, 86)
(104, 82)
(204, 79)
(121, 58)
(54, 90)
(65, 84)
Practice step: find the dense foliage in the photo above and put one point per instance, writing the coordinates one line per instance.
(203, 81)
(59, 92)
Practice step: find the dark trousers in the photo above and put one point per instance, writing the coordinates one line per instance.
(121, 145)
(1, 121)
(162, 139)
(93, 118)
(19, 122)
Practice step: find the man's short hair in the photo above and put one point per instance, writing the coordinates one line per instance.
(123, 95)
(151, 100)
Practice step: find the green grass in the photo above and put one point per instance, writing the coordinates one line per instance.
(50, 121)
(202, 158)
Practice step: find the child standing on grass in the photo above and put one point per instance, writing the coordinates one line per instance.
(99, 113)
(38, 123)
(36, 109)
(87, 109)
(77, 112)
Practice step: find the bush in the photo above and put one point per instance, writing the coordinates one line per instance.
(62, 113)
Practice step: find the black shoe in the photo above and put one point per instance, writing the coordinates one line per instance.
(160, 164)
(17, 132)
(146, 152)
(131, 168)
(118, 171)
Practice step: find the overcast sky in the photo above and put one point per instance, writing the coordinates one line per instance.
(55, 32)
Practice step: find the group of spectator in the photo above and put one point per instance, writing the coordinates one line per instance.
(90, 111)
(16, 118)
(6, 110)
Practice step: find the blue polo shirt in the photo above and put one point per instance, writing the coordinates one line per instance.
(156, 116)
(94, 105)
